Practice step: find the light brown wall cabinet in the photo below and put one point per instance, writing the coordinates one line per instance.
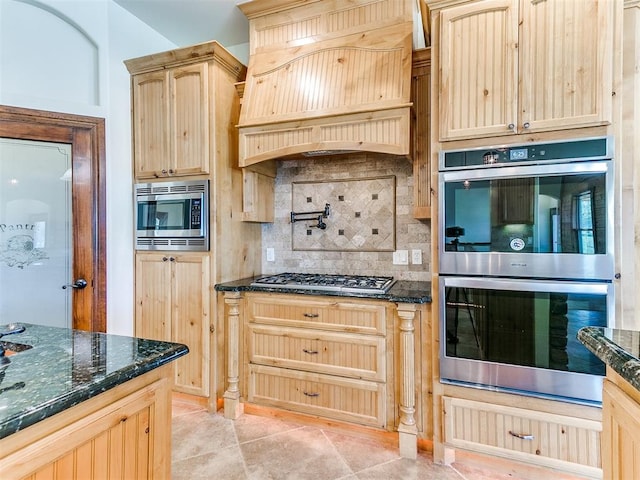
(170, 122)
(517, 66)
(172, 304)
(514, 199)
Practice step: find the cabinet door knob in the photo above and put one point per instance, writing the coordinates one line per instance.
(311, 315)
(164, 172)
(171, 171)
(511, 127)
(164, 259)
(526, 125)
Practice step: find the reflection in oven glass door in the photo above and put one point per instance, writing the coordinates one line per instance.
(532, 329)
(546, 214)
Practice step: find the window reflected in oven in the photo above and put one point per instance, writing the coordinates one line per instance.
(546, 214)
(525, 328)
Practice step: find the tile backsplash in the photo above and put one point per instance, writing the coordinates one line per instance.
(362, 215)
(374, 214)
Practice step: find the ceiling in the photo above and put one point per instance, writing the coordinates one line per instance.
(187, 22)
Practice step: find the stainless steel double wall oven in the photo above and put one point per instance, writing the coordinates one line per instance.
(526, 259)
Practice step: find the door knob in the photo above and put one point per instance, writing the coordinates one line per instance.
(79, 284)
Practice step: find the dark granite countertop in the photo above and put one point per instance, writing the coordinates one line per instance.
(66, 367)
(618, 349)
(403, 291)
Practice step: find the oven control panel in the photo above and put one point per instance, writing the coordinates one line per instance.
(579, 150)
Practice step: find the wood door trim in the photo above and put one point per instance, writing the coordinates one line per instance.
(87, 138)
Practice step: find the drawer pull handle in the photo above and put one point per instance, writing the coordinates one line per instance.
(310, 352)
(522, 436)
(311, 315)
(308, 394)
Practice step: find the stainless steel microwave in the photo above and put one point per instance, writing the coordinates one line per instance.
(172, 215)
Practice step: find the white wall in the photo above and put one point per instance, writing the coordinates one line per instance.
(40, 69)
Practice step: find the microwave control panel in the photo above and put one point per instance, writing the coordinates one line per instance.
(196, 213)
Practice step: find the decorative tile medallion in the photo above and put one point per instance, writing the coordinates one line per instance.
(362, 215)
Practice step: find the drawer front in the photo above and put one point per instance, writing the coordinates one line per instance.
(350, 400)
(309, 312)
(566, 443)
(344, 354)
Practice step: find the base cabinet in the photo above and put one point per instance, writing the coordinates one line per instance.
(173, 304)
(621, 431)
(562, 442)
(319, 356)
(122, 433)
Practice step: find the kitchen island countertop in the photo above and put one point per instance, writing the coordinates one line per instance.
(402, 291)
(65, 367)
(618, 349)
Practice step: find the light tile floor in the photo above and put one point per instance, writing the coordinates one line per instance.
(208, 446)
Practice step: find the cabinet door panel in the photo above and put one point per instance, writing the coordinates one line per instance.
(621, 433)
(153, 296)
(150, 124)
(566, 55)
(124, 438)
(478, 56)
(190, 119)
(420, 132)
(191, 321)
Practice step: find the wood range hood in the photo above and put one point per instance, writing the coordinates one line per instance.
(326, 76)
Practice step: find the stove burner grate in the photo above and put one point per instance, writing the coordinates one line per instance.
(324, 282)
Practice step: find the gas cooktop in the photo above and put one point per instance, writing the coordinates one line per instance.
(331, 283)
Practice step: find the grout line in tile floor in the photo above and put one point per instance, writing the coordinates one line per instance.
(208, 446)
